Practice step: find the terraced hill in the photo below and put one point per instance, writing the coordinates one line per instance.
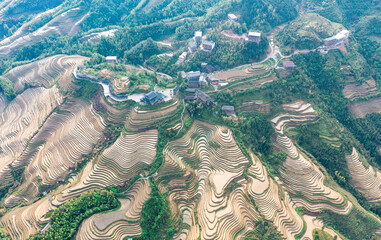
(267, 195)
(45, 72)
(118, 164)
(204, 174)
(299, 174)
(360, 109)
(144, 119)
(24, 221)
(64, 22)
(201, 170)
(121, 223)
(20, 121)
(352, 91)
(51, 154)
(366, 179)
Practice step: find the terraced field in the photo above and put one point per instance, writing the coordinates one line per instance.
(65, 22)
(128, 156)
(20, 223)
(366, 180)
(299, 176)
(236, 74)
(59, 145)
(125, 222)
(141, 119)
(3, 102)
(352, 91)
(19, 122)
(255, 106)
(110, 112)
(204, 174)
(273, 202)
(45, 72)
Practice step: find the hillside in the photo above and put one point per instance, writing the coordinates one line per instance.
(174, 119)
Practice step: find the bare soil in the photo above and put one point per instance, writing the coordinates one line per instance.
(360, 109)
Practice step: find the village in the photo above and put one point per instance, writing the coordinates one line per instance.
(198, 84)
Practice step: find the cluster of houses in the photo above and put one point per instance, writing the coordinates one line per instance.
(198, 79)
(197, 43)
(200, 97)
(205, 45)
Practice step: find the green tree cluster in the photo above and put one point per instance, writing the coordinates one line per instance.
(264, 230)
(65, 219)
(156, 216)
(6, 87)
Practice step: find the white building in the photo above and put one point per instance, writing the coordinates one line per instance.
(254, 36)
(233, 17)
(113, 59)
(198, 36)
(192, 47)
(203, 80)
(183, 57)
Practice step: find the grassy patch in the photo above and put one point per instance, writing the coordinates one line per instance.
(356, 225)
(318, 234)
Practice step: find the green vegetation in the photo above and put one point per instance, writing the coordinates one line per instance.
(307, 32)
(318, 234)
(156, 216)
(65, 219)
(256, 131)
(139, 81)
(264, 231)
(86, 90)
(6, 87)
(355, 225)
(141, 51)
(21, 11)
(3, 234)
(333, 159)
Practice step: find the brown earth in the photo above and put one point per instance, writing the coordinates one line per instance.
(360, 109)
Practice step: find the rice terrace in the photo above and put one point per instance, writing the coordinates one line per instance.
(186, 120)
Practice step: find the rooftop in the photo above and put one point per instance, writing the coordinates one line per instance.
(227, 108)
(203, 96)
(288, 63)
(111, 58)
(254, 34)
(151, 95)
(198, 34)
(193, 74)
(212, 77)
(232, 16)
(192, 44)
